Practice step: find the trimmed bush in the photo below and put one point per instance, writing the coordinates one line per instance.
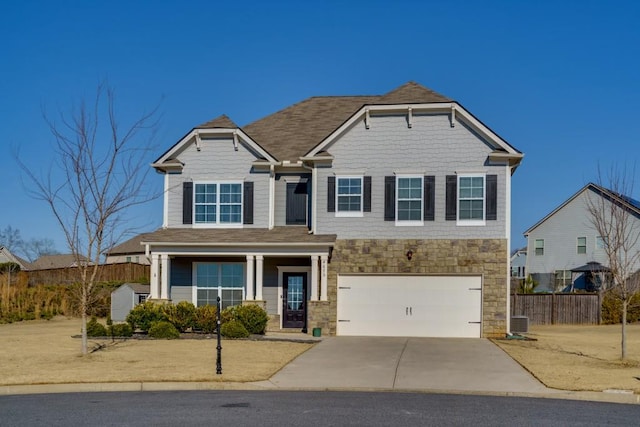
(121, 330)
(205, 319)
(144, 315)
(253, 317)
(181, 315)
(228, 314)
(163, 329)
(95, 329)
(234, 329)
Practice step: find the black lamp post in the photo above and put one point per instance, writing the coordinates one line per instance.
(219, 347)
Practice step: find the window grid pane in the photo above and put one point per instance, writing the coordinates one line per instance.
(471, 198)
(349, 194)
(409, 204)
(582, 245)
(226, 278)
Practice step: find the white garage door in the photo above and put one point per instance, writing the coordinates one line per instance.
(411, 306)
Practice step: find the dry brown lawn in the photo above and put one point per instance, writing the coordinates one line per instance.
(44, 352)
(573, 357)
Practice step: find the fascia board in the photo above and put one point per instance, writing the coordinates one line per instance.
(461, 113)
(238, 244)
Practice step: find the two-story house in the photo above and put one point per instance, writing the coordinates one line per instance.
(564, 250)
(361, 215)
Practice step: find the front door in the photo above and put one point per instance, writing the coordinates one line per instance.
(294, 300)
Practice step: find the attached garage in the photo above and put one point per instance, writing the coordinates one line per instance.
(409, 305)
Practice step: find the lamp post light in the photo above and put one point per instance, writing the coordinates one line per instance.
(219, 347)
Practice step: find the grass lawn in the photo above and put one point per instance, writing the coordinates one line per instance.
(44, 352)
(573, 357)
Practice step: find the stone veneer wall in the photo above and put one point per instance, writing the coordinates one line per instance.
(486, 257)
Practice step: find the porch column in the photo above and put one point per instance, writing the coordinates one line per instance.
(250, 265)
(164, 281)
(314, 278)
(324, 261)
(259, 276)
(155, 276)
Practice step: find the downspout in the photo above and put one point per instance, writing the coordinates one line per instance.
(508, 173)
(314, 182)
(272, 187)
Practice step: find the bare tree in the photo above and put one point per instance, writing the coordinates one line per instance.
(35, 248)
(10, 238)
(616, 218)
(101, 173)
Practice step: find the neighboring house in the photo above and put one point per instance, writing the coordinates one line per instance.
(7, 256)
(125, 298)
(128, 251)
(518, 264)
(47, 262)
(361, 215)
(565, 252)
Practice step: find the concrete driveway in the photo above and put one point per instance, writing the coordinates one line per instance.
(441, 364)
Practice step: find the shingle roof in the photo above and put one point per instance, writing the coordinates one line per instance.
(222, 121)
(247, 236)
(138, 288)
(131, 246)
(46, 262)
(292, 132)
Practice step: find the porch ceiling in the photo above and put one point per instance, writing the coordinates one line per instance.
(279, 236)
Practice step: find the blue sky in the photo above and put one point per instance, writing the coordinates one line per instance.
(559, 80)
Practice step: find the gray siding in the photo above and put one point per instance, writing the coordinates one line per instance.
(121, 303)
(217, 160)
(182, 293)
(430, 147)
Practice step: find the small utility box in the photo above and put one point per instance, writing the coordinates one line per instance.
(519, 324)
(127, 296)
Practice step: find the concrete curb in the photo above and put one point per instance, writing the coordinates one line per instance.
(592, 396)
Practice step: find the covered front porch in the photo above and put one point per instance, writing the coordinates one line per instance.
(287, 278)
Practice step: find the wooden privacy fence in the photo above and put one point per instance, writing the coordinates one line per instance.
(123, 272)
(558, 309)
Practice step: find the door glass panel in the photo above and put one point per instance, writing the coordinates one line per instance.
(294, 292)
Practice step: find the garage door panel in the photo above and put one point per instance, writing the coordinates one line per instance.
(427, 306)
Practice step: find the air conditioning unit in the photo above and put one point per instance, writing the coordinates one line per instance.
(519, 324)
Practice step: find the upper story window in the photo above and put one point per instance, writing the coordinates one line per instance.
(409, 200)
(582, 245)
(539, 247)
(218, 203)
(471, 200)
(349, 196)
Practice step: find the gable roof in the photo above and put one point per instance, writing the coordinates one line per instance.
(7, 256)
(46, 262)
(131, 246)
(626, 202)
(307, 127)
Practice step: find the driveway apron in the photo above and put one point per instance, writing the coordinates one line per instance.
(447, 364)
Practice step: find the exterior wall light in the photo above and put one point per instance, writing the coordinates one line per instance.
(409, 254)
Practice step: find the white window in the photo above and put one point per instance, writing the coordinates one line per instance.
(409, 200)
(213, 279)
(563, 279)
(349, 196)
(539, 247)
(218, 203)
(471, 199)
(582, 245)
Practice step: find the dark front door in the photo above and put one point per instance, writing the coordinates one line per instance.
(294, 300)
(296, 203)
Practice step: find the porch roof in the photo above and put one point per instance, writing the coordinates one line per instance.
(591, 266)
(278, 236)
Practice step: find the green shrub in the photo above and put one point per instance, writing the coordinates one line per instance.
(612, 309)
(144, 315)
(253, 317)
(95, 329)
(121, 330)
(205, 319)
(234, 329)
(163, 329)
(228, 314)
(181, 315)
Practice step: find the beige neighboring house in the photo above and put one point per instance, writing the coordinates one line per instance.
(7, 256)
(129, 251)
(48, 262)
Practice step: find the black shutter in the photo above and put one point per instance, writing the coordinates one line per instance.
(429, 198)
(187, 202)
(492, 197)
(451, 198)
(366, 195)
(247, 208)
(331, 194)
(389, 198)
